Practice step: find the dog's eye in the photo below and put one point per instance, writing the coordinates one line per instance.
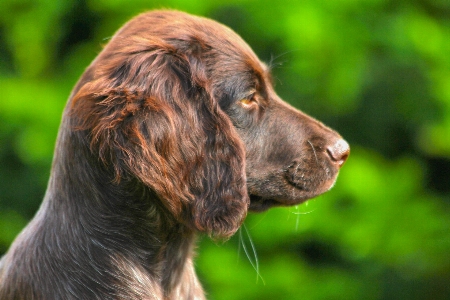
(249, 101)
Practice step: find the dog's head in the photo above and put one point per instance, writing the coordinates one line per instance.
(182, 104)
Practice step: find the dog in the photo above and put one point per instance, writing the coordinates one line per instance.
(174, 130)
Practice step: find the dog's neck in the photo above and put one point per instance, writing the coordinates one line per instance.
(100, 234)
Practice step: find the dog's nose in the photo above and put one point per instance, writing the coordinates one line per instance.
(339, 152)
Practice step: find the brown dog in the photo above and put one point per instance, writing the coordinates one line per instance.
(173, 130)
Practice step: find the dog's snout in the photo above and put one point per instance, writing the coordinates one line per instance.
(339, 151)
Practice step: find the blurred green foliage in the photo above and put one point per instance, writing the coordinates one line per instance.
(378, 71)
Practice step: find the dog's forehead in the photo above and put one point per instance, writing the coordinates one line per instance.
(185, 33)
(231, 46)
(215, 35)
(232, 42)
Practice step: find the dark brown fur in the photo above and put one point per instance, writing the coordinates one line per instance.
(173, 130)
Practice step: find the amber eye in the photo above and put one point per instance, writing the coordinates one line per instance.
(250, 101)
(247, 101)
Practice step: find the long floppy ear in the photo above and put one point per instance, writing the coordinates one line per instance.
(150, 115)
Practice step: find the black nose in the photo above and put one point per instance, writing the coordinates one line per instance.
(339, 152)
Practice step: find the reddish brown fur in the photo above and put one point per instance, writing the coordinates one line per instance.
(156, 146)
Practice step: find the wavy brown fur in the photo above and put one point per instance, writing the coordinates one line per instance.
(173, 130)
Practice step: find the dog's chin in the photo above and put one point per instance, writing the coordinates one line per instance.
(260, 204)
(293, 195)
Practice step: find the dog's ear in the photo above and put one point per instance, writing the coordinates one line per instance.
(150, 114)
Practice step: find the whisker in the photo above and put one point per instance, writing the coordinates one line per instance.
(304, 213)
(293, 177)
(272, 64)
(259, 221)
(239, 242)
(298, 213)
(253, 261)
(314, 150)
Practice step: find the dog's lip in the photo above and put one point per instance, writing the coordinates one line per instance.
(260, 204)
(299, 191)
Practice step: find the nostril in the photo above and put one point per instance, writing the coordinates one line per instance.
(339, 152)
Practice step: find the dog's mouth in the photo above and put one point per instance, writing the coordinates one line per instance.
(289, 192)
(260, 204)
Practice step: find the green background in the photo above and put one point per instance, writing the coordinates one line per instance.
(378, 71)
